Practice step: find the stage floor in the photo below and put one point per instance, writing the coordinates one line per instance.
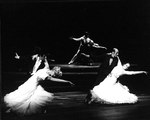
(71, 106)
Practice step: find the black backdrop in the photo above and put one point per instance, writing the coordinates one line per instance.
(125, 25)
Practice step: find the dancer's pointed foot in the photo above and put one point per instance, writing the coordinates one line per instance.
(9, 110)
(87, 101)
(70, 62)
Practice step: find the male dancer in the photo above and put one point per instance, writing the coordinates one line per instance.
(105, 68)
(84, 50)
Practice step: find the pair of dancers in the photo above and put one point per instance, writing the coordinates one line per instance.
(38, 58)
(35, 59)
(107, 89)
(30, 97)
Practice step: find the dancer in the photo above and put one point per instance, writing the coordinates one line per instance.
(37, 58)
(30, 97)
(111, 91)
(84, 49)
(29, 59)
(110, 60)
(38, 62)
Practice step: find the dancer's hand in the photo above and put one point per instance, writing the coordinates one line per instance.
(85, 55)
(102, 47)
(71, 38)
(145, 72)
(34, 56)
(105, 48)
(71, 83)
(17, 56)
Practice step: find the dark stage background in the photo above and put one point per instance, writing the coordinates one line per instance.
(125, 25)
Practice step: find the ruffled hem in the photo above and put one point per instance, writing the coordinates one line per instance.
(113, 96)
(29, 103)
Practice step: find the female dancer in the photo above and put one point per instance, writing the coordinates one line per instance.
(34, 60)
(111, 91)
(30, 97)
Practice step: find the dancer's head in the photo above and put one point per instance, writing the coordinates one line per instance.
(115, 52)
(57, 71)
(126, 66)
(87, 34)
(36, 50)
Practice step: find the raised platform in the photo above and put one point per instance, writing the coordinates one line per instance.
(83, 76)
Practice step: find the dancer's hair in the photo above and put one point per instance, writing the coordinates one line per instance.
(57, 71)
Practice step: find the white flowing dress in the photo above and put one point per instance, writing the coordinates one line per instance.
(30, 96)
(111, 91)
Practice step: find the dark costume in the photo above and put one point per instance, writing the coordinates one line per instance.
(79, 57)
(103, 71)
(105, 68)
(85, 51)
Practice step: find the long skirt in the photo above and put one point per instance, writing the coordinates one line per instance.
(28, 100)
(112, 93)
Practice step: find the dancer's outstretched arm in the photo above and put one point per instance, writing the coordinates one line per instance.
(96, 45)
(59, 80)
(77, 39)
(133, 72)
(46, 63)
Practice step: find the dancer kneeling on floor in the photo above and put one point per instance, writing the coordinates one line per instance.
(30, 97)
